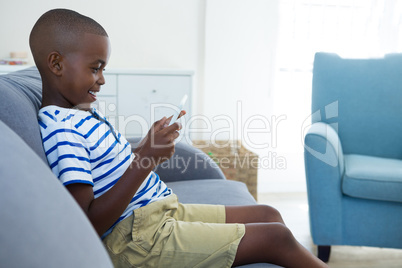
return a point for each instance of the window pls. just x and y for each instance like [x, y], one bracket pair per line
[350, 28]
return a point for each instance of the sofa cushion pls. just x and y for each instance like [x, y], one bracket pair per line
[374, 178]
[41, 224]
[187, 163]
[225, 192]
[21, 98]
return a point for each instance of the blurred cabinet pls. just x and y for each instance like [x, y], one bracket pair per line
[4, 69]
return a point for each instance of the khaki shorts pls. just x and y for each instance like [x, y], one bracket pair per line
[169, 234]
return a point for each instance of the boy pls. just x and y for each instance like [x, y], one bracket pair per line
[138, 217]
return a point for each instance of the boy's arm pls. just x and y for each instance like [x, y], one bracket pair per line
[105, 210]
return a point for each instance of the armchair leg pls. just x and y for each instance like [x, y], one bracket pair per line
[324, 252]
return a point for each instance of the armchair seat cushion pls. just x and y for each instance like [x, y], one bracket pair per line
[373, 178]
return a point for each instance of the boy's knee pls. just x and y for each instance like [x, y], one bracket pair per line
[283, 236]
[271, 214]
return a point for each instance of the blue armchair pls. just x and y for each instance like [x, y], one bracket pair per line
[353, 152]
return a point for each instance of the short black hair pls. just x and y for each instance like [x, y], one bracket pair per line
[68, 20]
[57, 29]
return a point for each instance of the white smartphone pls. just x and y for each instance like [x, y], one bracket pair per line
[177, 113]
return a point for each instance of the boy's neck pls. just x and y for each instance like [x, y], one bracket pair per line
[48, 99]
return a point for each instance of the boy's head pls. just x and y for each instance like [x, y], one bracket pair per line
[70, 51]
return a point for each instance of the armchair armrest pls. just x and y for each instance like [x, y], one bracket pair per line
[324, 167]
[330, 152]
[187, 163]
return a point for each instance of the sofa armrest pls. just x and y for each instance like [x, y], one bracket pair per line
[187, 163]
[324, 167]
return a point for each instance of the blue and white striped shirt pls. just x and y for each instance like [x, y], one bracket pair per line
[83, 147]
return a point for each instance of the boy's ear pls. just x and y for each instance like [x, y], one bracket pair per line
[54, 62]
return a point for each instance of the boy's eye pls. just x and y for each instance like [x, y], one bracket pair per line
[96, 70]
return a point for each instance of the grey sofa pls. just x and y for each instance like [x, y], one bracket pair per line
[41, 225]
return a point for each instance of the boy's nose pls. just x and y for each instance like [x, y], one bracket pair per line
[101, 81]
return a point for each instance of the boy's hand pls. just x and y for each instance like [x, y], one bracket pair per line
[182, 113]
[142, 142]
[158, 145]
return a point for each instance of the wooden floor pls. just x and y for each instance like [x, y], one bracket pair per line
[294, 210]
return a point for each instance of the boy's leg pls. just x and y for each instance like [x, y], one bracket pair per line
[252, 214]
[273, 243]
[267, 239]
[168, 234]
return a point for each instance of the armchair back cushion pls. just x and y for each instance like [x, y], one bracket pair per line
[366, 103]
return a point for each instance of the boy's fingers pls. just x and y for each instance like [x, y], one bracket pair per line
[158, 125]
[168, 121]
[173, 127]
[164, 120]
[170, 118]
[177, 134]
[177, 126]
[183, 112]
[180, 115]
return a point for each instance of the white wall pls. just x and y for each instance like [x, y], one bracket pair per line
[230, 45]
[144, 34]
[240, 43]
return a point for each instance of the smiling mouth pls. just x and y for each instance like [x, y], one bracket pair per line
[93, 93]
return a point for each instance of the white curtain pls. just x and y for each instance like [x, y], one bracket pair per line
[350, 28]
